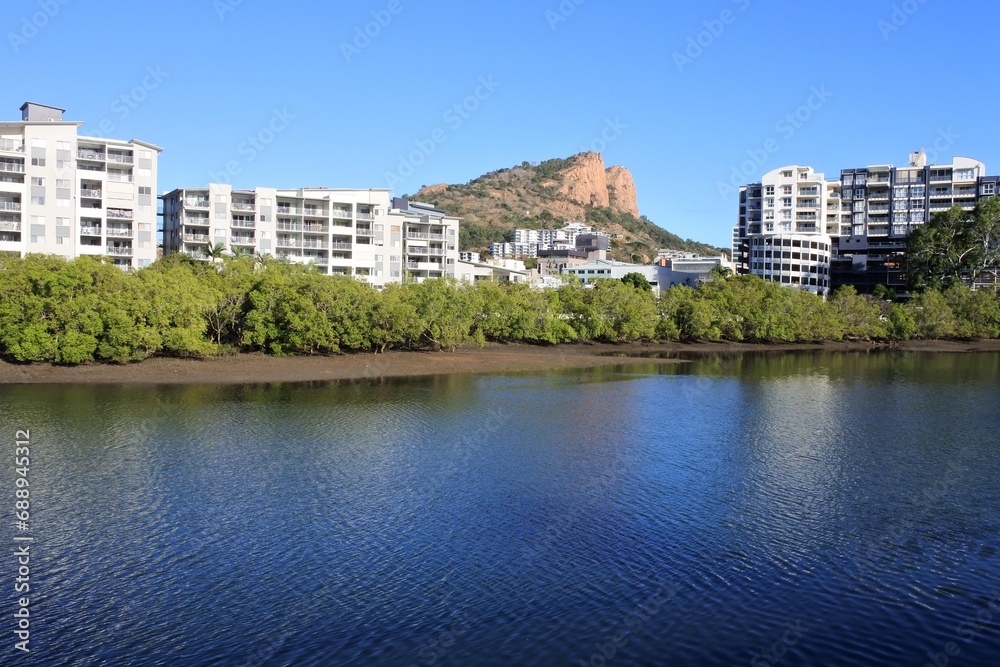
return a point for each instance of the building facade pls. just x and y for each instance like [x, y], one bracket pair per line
[68, 194]
[869, 214]
[784, 229]
[527, 243]
[362, 233]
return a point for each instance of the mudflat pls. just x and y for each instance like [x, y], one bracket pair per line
[493, 358]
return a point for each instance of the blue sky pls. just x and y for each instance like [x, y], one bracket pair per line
[683, 94]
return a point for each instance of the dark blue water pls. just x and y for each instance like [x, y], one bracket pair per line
[793, 510]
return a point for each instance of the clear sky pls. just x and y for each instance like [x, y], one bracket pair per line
[683, 94]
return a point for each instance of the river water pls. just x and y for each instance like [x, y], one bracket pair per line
[805, 509]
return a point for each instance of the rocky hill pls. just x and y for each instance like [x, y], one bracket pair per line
[546, 195]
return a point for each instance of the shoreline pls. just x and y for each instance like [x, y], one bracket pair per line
[259, 368]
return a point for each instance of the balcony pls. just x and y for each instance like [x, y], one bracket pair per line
[289, 242]
[10, 226]
[288, 226]
[365, 216]
[341, 214]
[244, 206]
[364, 231]
[938, 178]
[877, 180]
[196, 203]
[314, 212]
[242, 240]
[244, 224]
[11, 146]
[90, 231]
[336, 245]
[119, 232]
[878, 208]
[196, 238]
[120, 158]
[313, 228]
[10, 206]
[196, 222]
[119, 214]
[88, 193]
[287, 210]
[313, 243]
[85, 154]
[121, 251]
[425, 236]
[941, 192]
[12, 167]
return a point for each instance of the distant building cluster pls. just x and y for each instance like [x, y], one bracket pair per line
[528, 243]
[799, 229]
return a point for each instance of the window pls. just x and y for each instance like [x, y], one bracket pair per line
[786, 215]
[37, 162]
[38, 201]
[62, 183]
[38, 143]
[770, 202]
[989, 189]
[146, 155]
[848, 179]
[786, 202]
[38, 182]
[786, 174]
[786, 190]
[145, 190]
[221, 199]
[848, 194]
[803, 176]
[144, 172]
[769, 190]
[917, 191]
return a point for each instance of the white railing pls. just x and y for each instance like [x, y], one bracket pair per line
[196, 238]
[197, 203]
[315, 229]
[242, 206]
[340, 246]
[120, 233]
[365, 216]
[121, 159]
[365, 231]
[244, 224]
[10, 226]
[12, 167]
[119, 251]
[120, 213]
[10, 206]
[287, 210]
[118, 177]
[314, 213]
[89, 155]
[289, 226]
[340, 214]
[93, 194]
[199, 222]
[11, 145]
[90, 231]
[313, 244]
[242, 240]
[289, 243]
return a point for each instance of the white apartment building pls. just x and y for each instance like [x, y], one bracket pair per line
[68, 194]
[525, 243]
[786, 222]
[362, 233]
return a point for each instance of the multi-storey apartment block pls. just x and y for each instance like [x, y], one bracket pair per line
[870, 213]
[68, 194]
[526, 243]
[784, 229]
[362, 233]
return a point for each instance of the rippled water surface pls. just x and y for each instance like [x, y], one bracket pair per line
[828, 509]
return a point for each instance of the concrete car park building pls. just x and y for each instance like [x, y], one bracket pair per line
[68, 194]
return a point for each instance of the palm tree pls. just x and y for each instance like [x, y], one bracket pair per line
[216, 252]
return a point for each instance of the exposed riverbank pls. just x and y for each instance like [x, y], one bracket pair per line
[493, 358]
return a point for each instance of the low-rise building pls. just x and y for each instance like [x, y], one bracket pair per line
[362, 233]
[598, 269]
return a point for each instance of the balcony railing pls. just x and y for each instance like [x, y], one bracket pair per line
[90, 231]
[315, 229]
[314, 244]
[120, 233]
[340, 213]
[287, 242]
[937, 178]
[284, 226]
[119, 250]
[92, 194]
[85, 154]
[7, 226]
[941, 193]
[340, 246]
[287, 210]
[120, 213]
[242, 240]
[365, 216]
[314, 212]
[197, 203]
[425, 236]
[11, 145]
[244, 224]
[119, 158]
[197, 222]
[197, 238]
[10, 206]
[12, 167]
[243, 206]
[365, 231]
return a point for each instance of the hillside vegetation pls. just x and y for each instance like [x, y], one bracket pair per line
[546, 195]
